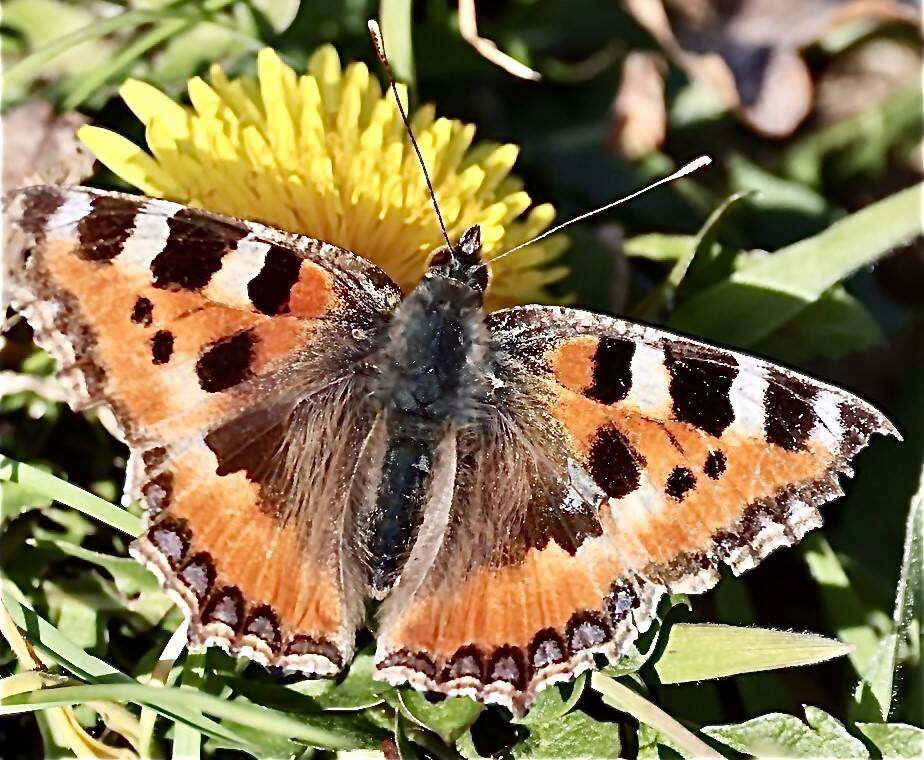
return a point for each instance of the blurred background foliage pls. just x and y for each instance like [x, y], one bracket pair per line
[812, 110]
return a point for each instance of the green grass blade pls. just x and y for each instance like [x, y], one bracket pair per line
[163, 31]
[878, 680]
[843, 608]
[45, 484]
[91, 81]
[187, 741]
[757, 300]
[334, 735]
[54, 646]
[21, 72]
[700, 652]
[395, 21]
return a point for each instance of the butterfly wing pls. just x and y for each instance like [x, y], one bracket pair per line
[621, 462]
[227, 352]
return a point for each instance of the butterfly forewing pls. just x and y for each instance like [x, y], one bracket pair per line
[226, 351]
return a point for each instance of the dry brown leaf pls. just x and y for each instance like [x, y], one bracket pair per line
[748, 51]
[864, 77]
[40, 146]
[639, 113]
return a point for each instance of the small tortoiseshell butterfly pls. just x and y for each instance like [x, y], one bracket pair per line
[518, 488]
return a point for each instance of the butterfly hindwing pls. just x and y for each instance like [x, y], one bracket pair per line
[226, 351]
[623, 462]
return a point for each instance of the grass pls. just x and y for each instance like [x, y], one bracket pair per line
[92, 658]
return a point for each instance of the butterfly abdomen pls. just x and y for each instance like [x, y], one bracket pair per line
[428, 384]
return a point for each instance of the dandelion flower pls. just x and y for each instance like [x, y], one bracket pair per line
[326, 154]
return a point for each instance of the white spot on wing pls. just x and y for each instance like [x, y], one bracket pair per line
[748, 392]
[828, 427]
[582, 484]
[147, 240]
[238, 267]
[64, 220]
[650, 390]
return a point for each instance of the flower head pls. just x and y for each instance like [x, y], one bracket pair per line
[326, 154]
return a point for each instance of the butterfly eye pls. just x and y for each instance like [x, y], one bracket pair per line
[440, 257]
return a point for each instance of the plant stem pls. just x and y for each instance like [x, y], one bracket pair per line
[625, 699]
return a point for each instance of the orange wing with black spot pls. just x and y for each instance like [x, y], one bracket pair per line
[621, 462]
[226, 351]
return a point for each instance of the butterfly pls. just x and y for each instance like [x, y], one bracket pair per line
[516, 490]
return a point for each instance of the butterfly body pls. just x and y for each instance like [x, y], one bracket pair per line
[518, 489]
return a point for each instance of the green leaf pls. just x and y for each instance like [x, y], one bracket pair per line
[835, 325]
[757, 300]
[698, 652]
[575, 735]
[843, 608]
[780, 735]
[395, 22]
[279, 13]
[649, 739]
[129, 576]
[779, 211]
[700, 254]
[631, 661]
[895, 739]
[772, 193]
[16, 499]
[48, 485]
[553, 702]
[358, 690]
[57, 30]
[188, 51]
[465, 746]
[659, 247]
[448, 719]
[76, 613]
[117, 65]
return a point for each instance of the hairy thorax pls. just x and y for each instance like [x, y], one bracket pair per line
[431, 381]
[432, 367]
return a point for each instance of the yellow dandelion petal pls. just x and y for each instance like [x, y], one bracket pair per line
[274, 78]
[324, 66]
[163, 144]
[127, 160]
[146, 102]
[205, 101]
[325, 153]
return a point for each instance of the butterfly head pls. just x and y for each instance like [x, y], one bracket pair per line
[463, 263]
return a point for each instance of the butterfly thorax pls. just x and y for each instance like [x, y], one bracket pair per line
[431, 379]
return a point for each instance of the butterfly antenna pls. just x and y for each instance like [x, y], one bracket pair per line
[689, 168]
[379, 43]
